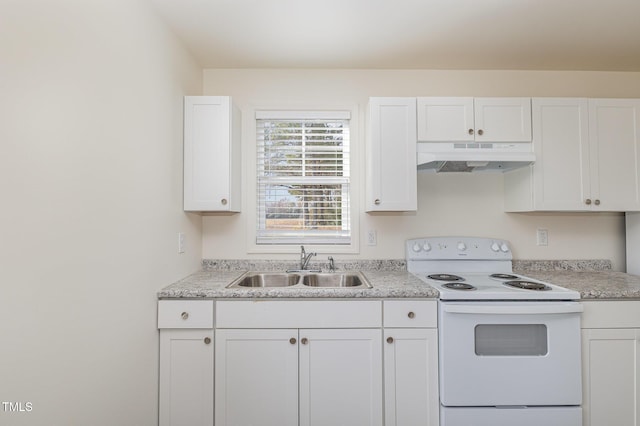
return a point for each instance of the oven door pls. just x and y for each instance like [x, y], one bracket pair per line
[510, 353]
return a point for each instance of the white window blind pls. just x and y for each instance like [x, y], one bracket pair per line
[303, 177]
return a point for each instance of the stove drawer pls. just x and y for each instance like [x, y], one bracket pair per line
[410, 313]
[521, 416]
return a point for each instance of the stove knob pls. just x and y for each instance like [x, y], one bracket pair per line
[462, 246]
[426, 247]
[495, 247]
[416, 247]
[504, 248]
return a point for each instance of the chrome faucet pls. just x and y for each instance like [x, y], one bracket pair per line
[305, 258]
[304, 262]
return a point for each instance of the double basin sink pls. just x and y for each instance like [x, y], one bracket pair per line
[301, 280]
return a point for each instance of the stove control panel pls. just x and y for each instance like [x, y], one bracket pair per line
[449, 248]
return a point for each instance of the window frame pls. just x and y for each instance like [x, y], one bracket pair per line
[251, 179]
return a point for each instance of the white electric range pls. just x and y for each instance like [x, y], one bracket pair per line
[509, 345]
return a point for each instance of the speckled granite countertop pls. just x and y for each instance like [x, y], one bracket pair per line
[386, 284]
[593, 284]
[593, 279]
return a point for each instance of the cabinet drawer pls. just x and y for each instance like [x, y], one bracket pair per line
[411, 313]
[298, 314]
[185, 314]
[611, 314]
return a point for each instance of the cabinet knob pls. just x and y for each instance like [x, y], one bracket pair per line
[597, 202]
[224, 201]
[481, 132]
[184, 315]
[588, 201]
[389, 339]
[377, 201]
[304, 340]
[411, 315]
[471, 131]
[293, 340]
[207, 340]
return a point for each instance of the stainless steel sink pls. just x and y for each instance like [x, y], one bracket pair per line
[265, 279]
[353, 279]
[301, 281]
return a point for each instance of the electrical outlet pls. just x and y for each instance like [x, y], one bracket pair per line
[372, 238]
[180, 242]
[542, 237]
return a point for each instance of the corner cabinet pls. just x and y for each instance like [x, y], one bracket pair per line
[452, 119]
[611, 363]
[587, 157]
[186, 363]
[391, 155]
[212, 163]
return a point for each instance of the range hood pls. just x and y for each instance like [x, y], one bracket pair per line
[440, 157]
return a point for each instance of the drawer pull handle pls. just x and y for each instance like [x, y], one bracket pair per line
[224, 201]
[411, 315]
[471, 131]
[207, 340]
[389, 339]
[377, 202]
[597, 202]
[293, 340]
[481, 132]
[588, 201]
[184, 315]
[304, 340]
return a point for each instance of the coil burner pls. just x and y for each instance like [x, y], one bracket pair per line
[527, 285]
[504, 276]
[445, 277]
[459, 286]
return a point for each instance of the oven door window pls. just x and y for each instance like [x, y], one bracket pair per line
[511, 340]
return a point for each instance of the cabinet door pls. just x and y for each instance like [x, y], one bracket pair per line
[411, 377]
[561, 145]
[391, 155]
[445, 119]
[614, 133]
[211, 154]
[256, 377]
[502, 119]
[341, 377]
[611, 377]
[186, 377]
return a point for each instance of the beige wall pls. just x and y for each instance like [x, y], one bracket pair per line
[448, 204]
[91, 195]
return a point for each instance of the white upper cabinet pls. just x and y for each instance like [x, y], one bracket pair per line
[614, 142]
[391, 155]
[586, 157]
[447, 119]
[212, 164]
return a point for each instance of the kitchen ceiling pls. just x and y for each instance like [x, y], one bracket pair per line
[409, 34]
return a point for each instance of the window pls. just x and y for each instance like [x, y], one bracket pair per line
[303, 177]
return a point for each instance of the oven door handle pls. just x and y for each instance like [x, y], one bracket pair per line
[541, 309]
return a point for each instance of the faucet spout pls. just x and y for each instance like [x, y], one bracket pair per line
[305, 258]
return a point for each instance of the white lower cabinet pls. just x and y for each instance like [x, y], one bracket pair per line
[411, 363]
[314, 373]
[341, 377]
[333, 376]
[186, 363]
[611, 363]
[256, 377]
[290, 363]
